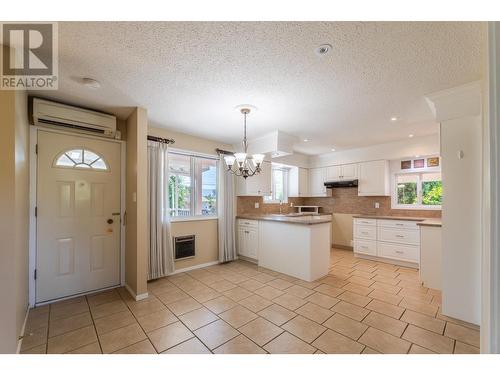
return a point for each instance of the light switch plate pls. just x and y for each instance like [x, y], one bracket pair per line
[256, 204]
[377, 205]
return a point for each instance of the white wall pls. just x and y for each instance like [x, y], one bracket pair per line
[428, 145]
[462, 218]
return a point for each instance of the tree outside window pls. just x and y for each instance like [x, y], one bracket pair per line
[419, 190]
[192, 187]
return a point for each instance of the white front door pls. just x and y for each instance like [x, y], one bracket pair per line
[78, 215]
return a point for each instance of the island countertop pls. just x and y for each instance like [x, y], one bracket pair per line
[423, 221]
[309, 219]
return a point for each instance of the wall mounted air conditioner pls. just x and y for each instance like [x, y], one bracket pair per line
[53, 114]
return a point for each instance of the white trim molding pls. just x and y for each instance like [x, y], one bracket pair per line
[490, 283]
[456, 102]
[137, 297]
[195, 267]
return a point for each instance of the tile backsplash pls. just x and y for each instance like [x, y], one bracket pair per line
[342, 201]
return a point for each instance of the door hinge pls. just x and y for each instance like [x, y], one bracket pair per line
[34, 274]
[36, 149]
[36, 211]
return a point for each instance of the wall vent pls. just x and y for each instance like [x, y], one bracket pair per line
[184, 247]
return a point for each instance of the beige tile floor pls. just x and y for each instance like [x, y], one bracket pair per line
[360, 307]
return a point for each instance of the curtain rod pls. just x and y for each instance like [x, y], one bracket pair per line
[161, 140]
[224, 152]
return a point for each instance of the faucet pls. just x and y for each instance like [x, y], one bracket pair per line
[281, 205]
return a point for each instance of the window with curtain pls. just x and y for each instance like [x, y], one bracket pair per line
[192, 185]
[418, 190]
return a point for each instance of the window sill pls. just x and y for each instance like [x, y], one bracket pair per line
[419, 207]
[178, 219]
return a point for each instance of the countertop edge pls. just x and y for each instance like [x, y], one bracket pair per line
[285, 220]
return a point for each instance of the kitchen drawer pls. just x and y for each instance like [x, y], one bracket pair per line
[248, 223]
[365, 232]
[405, 224]
[365, 247]
[404, 236]
[406, 253]
[362, 221]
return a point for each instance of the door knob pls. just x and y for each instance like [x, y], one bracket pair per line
[110, 221]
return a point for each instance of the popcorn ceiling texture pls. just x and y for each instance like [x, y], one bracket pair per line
[342, 201]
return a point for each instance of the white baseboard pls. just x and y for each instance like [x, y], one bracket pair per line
[23, 329]
[195, 267]
[137, 297]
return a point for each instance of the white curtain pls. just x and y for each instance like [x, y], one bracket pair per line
[160, 256]
[227, 214]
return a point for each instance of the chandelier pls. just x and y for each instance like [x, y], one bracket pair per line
[246, 165]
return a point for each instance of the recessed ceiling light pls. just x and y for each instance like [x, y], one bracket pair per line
[90, 83]
[323, 49]
[394, 118]
[306, 139]
[410, 135]
[333, 149]
[417, 156]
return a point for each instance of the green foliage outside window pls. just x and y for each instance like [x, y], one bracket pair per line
[432, 192]
[183, 192]
[407, 193]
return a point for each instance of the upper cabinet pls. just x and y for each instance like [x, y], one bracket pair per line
[298, 182]
[258, 185]
[374, 178]
[342, 172]
[317, 178]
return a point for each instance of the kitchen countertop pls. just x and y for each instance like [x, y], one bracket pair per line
[423, 221]
[309, 219]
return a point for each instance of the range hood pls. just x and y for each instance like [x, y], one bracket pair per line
[341, 184]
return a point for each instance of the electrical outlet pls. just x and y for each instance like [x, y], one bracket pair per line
[377, 205]
[256, 204]
[291, 204]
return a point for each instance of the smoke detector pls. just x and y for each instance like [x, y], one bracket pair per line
[323, 49]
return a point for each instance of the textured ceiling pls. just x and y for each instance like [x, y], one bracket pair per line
[191, 75]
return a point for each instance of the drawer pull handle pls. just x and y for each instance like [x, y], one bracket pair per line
[364, 247]
[399, 224]
[365, 233]
[247, 232]
[399, 252]
[399, 236]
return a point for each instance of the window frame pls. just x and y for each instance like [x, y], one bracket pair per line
[75, 165]
[194, 186]
[286, 173]
[419, 205]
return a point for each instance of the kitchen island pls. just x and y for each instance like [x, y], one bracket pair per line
[296, 245]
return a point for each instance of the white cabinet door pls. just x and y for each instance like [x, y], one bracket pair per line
[252, 244]
[298, 182]
[258, 185]
[242, 242]
[334, 173]
[349, 171]
[374, 178]
[317, 182]
[303, 182]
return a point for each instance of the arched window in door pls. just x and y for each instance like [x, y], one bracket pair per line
[81, 158]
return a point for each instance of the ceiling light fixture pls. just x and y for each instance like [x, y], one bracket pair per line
[323, 49]
[394, 118]
[333, 149]
[410, 135]
[246, 165]
[91, 83]
[306, 139]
